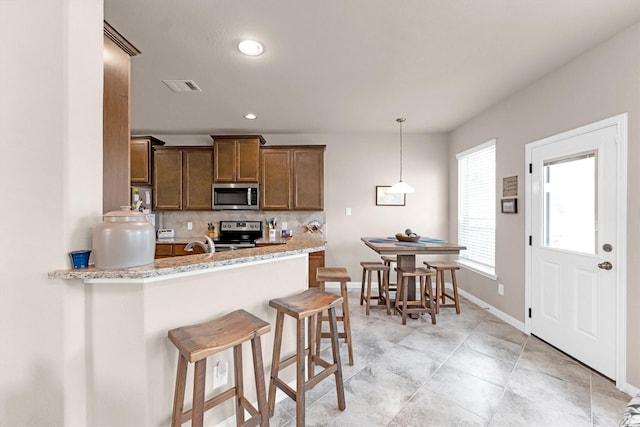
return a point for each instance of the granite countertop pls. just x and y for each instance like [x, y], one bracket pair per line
[299, 244]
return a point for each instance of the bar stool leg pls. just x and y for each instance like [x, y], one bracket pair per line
[368, 292]
[442, 288]
[439, 280]
[197, 409]
[430, 299]
[455, 291]
[333, 327]
[314, 326]
[178, 399]
[258, 372]
[346, 320]
[300, 392]
[364, 274]
[385, 287]
[239, 383]
[405, 299]
[275, 362]
[398, 296]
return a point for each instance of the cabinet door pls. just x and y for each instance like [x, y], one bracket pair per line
[167, 190]
[248, 160]
[140, 149]
[225, 160]
[163, 250]
[275, 171]
[197, 178]
[308, 179]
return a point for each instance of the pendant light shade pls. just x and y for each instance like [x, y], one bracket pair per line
[401, 187]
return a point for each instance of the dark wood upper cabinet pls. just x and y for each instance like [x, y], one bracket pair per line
[236, 158]
[116, 128]
[308, 179]
[182, 178]
[141, 151]
[197, 178]
[292, 177]
[167, 191]
[275, 178]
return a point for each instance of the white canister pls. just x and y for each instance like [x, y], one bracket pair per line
[124, 239]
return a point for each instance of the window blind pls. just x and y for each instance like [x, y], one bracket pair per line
[477, 206]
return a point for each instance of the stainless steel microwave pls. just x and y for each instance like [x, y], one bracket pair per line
[239, 196]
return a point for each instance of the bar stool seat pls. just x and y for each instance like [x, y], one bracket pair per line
[337, 274]
[422, 306]
[196, 342]
[383, 287]
[441, 296]
[308, 304]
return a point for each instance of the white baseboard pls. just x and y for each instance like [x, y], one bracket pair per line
[491, 309]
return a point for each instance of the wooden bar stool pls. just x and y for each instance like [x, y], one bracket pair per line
[337, 274]
[405, 307]
[196, 342]
[441, 296]
[383, 286]
[308, 304]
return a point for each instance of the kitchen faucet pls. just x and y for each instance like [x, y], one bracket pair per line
[208, 247]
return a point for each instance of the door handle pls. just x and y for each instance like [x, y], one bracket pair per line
[605, 265]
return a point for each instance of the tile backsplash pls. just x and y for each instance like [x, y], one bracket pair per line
[296, 220]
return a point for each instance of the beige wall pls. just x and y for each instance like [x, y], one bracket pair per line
[50, 186]
[603, 82]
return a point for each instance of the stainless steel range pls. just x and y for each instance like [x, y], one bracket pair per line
[238, 235]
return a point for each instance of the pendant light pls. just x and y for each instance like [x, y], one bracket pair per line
[401, 187]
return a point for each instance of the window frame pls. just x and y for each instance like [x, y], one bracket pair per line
[466, 258]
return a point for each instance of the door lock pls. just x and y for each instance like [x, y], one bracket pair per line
[605, 265]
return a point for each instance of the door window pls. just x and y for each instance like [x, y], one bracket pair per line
[570, 203]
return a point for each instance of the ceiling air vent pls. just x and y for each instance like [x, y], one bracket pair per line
[180, 86]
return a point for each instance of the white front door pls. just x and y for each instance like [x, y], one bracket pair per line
[574, 252]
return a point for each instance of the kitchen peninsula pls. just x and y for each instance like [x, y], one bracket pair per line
[130, 369]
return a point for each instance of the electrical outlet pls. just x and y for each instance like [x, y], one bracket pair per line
[347, 211]
[220, 374]
[189, 225]
[500, 289]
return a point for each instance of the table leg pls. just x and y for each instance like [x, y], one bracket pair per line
[408, 262]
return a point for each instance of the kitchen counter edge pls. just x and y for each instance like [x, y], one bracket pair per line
[297, 245]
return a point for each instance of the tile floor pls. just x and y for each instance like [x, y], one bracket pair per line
[470, 369]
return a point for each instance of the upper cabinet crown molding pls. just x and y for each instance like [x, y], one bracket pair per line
[119, 40]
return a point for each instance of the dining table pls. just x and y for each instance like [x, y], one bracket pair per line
[406, 252]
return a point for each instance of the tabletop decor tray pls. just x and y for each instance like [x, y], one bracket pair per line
[405, 238]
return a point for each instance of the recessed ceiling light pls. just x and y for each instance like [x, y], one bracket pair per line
[250, 47]
[250, 116]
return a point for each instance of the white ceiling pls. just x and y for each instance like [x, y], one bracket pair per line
[347, 65]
